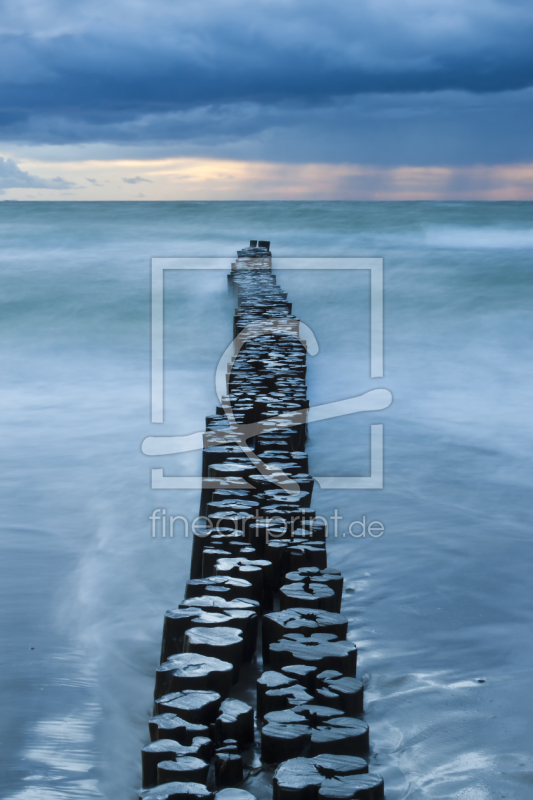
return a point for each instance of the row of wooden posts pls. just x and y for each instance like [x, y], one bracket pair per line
[257, 671]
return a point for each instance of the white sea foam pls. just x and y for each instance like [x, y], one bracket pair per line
[478, 238]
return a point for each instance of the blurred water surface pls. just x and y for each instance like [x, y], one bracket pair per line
[440, 605]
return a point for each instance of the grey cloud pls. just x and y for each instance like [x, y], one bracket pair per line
[387, 129]
[12, 177]
[167, 55]
[137, 179]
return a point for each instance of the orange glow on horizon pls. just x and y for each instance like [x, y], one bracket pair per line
[188, 178]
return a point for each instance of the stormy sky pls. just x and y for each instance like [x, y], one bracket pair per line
[375, 90]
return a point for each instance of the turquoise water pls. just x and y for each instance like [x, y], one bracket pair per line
[440, 602]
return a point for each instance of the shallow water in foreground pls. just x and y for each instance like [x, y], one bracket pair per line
[440, 605]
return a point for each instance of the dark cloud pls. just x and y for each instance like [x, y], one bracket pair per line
[12, 177]
[422, 129]
[211, 72]
[137, 179]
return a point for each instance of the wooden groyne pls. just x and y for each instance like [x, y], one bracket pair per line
[256, 694]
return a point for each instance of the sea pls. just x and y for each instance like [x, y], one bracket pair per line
[440, 602]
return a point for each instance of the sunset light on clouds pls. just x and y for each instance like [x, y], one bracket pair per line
[218, 179]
